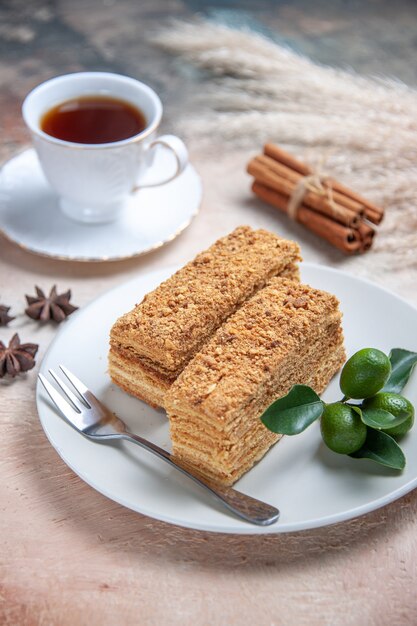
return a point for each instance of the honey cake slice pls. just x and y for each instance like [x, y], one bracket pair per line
[151, 345]
[286, 334]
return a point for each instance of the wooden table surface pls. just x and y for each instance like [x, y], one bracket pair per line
[69, 556]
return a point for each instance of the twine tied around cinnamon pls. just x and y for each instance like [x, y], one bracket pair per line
[315, 183]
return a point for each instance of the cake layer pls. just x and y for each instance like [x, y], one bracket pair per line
[172, 323]
[286, 334]
[137, 380]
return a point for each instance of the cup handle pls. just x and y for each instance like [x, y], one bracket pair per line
[175, 145]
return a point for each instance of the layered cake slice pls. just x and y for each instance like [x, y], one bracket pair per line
[286, 334]
[151, 345]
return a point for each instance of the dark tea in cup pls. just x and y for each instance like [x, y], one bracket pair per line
[93, 120]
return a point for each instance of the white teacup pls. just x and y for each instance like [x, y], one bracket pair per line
[94, 181]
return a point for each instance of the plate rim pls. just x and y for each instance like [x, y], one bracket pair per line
[103, 259]
[246, 529]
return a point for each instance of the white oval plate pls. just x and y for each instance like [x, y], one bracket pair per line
[309, 484]
[30, 215]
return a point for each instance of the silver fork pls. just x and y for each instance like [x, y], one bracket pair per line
[92, 419]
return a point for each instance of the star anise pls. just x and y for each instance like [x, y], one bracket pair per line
[55, 307]
[5, 318]
[17, 357]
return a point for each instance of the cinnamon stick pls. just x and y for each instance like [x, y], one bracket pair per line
[372, 212]
[367, 235]
[280, 155]
[342, 237]
[366, 245]
[365, 230]
[321, 204]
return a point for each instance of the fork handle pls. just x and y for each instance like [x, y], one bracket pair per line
[250, 509]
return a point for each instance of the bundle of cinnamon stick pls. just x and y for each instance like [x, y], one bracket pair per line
[322, 204]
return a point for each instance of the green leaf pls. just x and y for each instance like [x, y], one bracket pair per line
[292, 413]
[379, 418]
[356, 408]
[381, 448]
[402, 364]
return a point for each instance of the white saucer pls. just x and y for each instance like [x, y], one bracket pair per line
[30, 216]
